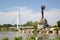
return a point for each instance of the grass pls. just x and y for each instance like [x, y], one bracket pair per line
[57, 38]
[31, 38]
[6, 38]
[18, 38]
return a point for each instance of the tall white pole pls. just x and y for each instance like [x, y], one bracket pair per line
[17, 25]
[17, 20]
[20, 20]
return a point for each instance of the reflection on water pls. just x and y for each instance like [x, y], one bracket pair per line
[11, 35]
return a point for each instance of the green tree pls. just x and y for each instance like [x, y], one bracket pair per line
[58, 23]
[29, 23]
[55, 26]
[34, 24]
[4, 26]
[8, 25]
[0, 27]
[14, 25]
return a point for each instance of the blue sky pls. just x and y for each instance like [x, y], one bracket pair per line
[34, 5]
[30, 10]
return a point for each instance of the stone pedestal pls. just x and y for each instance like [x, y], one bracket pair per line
[42, 23]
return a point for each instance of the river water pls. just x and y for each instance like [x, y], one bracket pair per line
[11, 35]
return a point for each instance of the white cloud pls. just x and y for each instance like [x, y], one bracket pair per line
[7, 17]
[52, 16]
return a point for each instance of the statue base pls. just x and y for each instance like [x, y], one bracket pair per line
[42, 23]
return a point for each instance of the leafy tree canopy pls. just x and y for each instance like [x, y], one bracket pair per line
[58, 23]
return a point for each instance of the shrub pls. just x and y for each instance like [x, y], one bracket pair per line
[15, 38]
[31, 38]
[18, 38]
[5, 38]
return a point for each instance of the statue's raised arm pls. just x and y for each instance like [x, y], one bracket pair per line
[42, 12]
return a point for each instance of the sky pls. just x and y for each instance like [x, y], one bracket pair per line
[29, 10]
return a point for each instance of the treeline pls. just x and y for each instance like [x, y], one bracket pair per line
[28, 23]
[7, 27]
